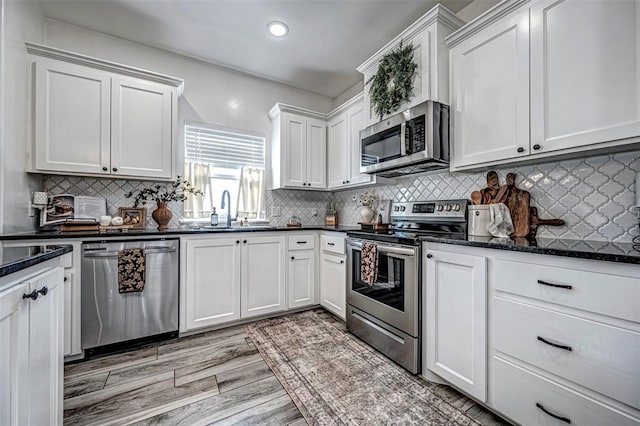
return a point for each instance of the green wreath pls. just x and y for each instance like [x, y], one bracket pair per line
[392, 84]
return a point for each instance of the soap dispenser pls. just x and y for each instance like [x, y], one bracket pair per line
[214, 218]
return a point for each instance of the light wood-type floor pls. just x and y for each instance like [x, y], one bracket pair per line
[211, 378]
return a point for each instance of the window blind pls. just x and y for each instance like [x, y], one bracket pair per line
[221, 148]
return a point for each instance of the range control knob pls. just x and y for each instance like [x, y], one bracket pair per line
[448, 208]
[402, 208]
[456, 207]
[396, 208]
[440, 207]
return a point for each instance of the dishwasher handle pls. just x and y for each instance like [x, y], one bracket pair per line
[152, 250]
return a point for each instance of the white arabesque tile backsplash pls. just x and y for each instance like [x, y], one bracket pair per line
[594, 195]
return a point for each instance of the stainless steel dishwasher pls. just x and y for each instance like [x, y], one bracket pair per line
[110, 317]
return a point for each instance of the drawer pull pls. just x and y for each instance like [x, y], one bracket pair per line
[301, 242]
[331, 244]
[565, 347]
[562, 419]
[568, 287]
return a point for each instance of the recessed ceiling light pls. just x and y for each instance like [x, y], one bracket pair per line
[278, 29]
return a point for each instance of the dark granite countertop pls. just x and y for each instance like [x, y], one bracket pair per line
[583, 249]
[14, 259]
[43, 235]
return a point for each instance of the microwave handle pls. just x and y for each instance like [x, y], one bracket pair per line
[403, 146]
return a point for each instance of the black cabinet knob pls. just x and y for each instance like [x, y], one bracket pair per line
[43, 291]
[66, 279]
[104, 169]
[244, 241]
[342, 261]
[115, 169]
[237, 241]
[520, 149]
[429, 256]
[537, 147]
[293, 258]
[33, 295]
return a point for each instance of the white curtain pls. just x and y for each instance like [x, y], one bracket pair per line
[199, 175]
[251, 194]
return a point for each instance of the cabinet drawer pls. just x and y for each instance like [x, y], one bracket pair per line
[597, 356]
[612, 295]
[332, 244]
[301, 242]
[517, 391]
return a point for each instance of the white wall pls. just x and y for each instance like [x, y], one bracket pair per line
[212, 94]
[23, 20]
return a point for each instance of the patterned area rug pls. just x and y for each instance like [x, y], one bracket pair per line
[335, 379]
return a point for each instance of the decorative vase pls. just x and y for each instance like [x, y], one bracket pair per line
[162, 215]
[366, 214]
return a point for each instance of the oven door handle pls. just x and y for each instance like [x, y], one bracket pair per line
[386, 249]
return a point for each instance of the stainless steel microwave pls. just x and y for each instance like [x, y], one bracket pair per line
[413, 141]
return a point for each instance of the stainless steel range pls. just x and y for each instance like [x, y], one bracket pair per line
[387, 314]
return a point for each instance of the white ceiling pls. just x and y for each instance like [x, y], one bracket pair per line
[327, 39]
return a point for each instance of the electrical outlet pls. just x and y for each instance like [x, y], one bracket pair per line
[314, 213]
[276, 211]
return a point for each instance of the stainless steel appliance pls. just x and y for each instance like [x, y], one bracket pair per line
[413, 141]
[110, 317]
[387, 314]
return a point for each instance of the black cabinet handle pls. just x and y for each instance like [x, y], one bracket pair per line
[344, 181]
[304, 183]
[115, 169]
[237, 241]
[537, 147]
[293, 258]
[33, 295]
[342, 261]
[43, 291]
[556, 345]
[244, 241]
[331, 244]
[520, 149]
[555, 416]
[301, 242]
[348, 181]
[104, 169]
[568, 287]
[66, 279]
[429, 255]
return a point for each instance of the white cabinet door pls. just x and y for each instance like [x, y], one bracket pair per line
[141, 128]
[72, 118]
[490, 93]
[46, 334]
[337, 160]
[333, 284]
[14, 356]
[456, 319]
[263, 275]
[302, 279]
[294, 144]
[585, 72]
[212, 282]
[316, 153]
[355, 123]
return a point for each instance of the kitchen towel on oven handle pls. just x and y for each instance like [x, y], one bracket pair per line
[369, 263]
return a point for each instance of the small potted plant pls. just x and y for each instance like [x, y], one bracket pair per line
[162, 194]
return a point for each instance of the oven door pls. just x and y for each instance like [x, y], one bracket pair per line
[394, 296]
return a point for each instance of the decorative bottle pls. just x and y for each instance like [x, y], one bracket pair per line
[214, 218]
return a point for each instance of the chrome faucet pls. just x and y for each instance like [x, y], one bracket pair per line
[226, 192]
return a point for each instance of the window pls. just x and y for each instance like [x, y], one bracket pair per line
[219, 159]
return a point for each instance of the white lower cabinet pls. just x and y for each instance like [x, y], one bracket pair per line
[31, 349]
[302, 279]
[333, 283]
[226, 278]
[456, 319]
[263, 275]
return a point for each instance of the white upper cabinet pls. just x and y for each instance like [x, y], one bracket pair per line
[98, 118]
[343, 145]
[298, 148]
[490, 93]
[545, 78]
[585, 72]
[430, 53]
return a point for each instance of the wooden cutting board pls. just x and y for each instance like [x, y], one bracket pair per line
[518, 201]
[536, 221]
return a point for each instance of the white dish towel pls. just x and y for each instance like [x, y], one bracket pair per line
[500, 224]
